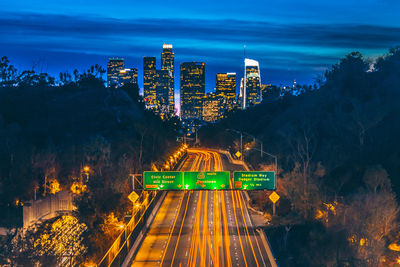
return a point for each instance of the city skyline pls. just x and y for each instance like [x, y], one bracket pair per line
[290, 39]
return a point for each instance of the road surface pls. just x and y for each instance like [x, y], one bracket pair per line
[202, 228]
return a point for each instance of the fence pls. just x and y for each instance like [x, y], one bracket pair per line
[47, 208]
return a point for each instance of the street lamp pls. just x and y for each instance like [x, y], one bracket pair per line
[86, 170]
[263, 152]
[241, 140]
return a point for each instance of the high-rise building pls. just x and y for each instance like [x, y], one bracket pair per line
[114, 66]
[192, 90]
[251, 94]
[168, 64]
[212, 107]
[226, 89]
[162, 89]
[128, 76]
[149, 82]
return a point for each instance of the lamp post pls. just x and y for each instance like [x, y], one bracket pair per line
[263, 152]
[276, 168]
[86, 170]
[241, 141]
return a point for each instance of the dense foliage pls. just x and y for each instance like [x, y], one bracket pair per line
[337, 146]
[50, 130]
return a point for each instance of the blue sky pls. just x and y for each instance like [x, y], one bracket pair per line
[291, 39]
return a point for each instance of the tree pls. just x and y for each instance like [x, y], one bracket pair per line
[372, 216]
[46, 163]
[97, 153]
[132, 89]
[8, 73]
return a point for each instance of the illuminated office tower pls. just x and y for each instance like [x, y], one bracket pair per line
[162, 89]
[212, 107]
[251, 94]
[114, 66]
[149, 82]
[226, 89]
[168, 63]
[192, 90]
[128, 76]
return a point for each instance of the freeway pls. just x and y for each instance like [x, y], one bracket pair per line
[202, 228]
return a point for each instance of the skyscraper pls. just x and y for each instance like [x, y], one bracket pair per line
[168, 64]
[212, 107]
[162, 90]
[128, 76]
[192, 90]
[149, 81]
[226, 89]
[114, 66]
[252, 84]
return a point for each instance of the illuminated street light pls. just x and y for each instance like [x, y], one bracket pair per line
[86, 170]
[90, 264]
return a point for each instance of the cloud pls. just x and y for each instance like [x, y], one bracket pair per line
[214, 31]
[219, 42]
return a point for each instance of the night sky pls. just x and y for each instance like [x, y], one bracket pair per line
[292, 39]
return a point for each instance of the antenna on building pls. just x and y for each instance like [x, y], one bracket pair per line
[244, 79]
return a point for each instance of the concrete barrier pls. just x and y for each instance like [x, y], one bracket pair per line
[234, 161]
[267, 246]
[136, 245]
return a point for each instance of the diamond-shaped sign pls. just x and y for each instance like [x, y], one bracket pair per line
[133, 196]
[238, 154]
[274, 197]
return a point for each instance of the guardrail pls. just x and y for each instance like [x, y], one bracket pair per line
[118, 251]
[267, 246]
[121, 246]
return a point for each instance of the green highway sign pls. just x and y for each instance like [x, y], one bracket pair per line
[254, 180]
[162, 180]
[206, 180]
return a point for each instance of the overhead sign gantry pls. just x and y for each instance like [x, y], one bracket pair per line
[218, 180]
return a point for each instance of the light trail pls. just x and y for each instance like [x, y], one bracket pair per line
[245, 224]
[173, 227]
[180, 230]
[237, 227]
[228, 260]
[210, 241]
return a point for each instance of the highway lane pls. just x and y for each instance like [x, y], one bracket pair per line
[202, 228]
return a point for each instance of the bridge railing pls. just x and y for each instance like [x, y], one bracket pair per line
[123, 243]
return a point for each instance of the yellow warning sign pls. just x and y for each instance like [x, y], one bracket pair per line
[238, 154]
[274, 197]
[133, 196]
